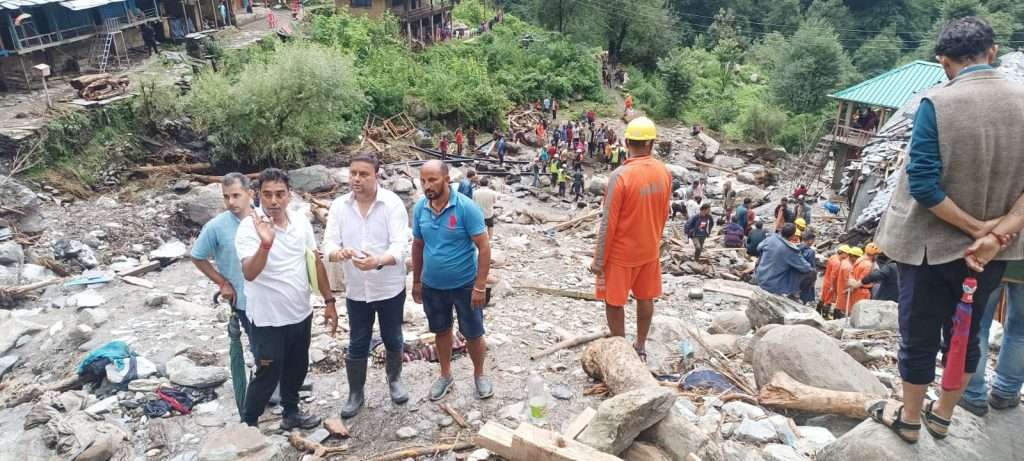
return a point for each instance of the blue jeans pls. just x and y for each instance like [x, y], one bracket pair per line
[1010, 366]
[360, 321]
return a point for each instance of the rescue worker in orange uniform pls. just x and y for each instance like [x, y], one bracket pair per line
[828, 283]
[843, 294]
[862, 268]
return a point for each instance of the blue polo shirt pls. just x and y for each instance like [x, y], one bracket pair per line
[218, 239]
[449, 254]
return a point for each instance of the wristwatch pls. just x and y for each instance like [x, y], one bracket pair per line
[380, 266]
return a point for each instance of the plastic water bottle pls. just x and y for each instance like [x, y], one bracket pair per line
[537, 397]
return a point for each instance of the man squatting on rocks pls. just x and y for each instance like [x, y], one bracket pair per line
[274, 246]
[636, 207]
[451, 256]
[367, 232]
[956, 211]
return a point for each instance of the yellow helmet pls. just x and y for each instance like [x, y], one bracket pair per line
[871, 249]
[641, 129]
[855, 251]
[844, 248]
[800, 223]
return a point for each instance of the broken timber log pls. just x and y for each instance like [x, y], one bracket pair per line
[557, 292]
[784, 392]
[614, 362]
[169, 169]
[570, 342]
[416, 452]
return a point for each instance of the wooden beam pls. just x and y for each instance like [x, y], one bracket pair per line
[141, 269]
[531, 443]
[569, 342]
[729, 288]
[784, 392]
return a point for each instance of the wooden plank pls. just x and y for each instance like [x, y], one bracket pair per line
[579, 423]
[568, 343]
[141, 269]
[139, 282]
[531, 443]
[495, 437]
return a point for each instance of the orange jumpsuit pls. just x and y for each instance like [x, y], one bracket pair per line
[842, 281]
[828, 283]
[861, 269]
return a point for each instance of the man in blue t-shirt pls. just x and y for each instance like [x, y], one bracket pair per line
[217, 239]
[451, 256]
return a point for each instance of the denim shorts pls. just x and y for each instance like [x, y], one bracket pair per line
[438, 304]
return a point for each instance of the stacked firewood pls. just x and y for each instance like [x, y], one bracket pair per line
[97, 87]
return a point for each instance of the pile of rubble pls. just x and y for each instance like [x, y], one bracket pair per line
[97, 87]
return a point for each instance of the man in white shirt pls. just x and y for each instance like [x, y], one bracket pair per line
[274, 247]
[485, 197]
[368, 232]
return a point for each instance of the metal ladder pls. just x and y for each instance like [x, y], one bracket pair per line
[111, 42]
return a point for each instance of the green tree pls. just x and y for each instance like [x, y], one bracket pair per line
[812, 66]
[304, 98]
[782, 15]
[472, 12]
[878, 54]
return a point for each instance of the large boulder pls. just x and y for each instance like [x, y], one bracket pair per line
[184, 372]
[239, 442]
[201, 204]
[14, 328]
[11, 253]
[812, 358]
[677, 171]
[620, 419]
[315, 178]
[597, 185]
[732, 323]
[994, 437]
[24, 203]
[871, 314]
[679, 437]
[766, 308]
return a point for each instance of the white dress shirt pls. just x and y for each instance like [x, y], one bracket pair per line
[279, 296]
[384, 231]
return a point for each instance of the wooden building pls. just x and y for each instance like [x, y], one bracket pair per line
[419, 20]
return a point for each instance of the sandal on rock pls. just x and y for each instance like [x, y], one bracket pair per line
[937, 426]
[641, 352]
[890, 415]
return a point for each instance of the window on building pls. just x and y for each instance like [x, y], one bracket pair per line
[361, 3]
[395, 3]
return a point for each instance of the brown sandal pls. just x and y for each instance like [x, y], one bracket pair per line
[937, 426]
[889, 415]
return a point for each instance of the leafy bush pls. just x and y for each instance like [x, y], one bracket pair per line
[761, 122]
[800, 132]
[304, 97]
[472, 12]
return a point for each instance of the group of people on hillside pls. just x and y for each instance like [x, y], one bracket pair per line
[267, 262]
[568, 146]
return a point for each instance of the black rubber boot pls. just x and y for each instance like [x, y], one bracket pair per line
[300, 420]
[394, 374]
[356, 371]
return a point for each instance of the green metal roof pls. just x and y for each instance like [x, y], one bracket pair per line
[896, 86]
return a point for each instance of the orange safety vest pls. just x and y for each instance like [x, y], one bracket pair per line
[861, 269]
[843, 298]
[828, 283]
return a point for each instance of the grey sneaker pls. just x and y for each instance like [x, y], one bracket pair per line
[440, 388]
[1002, 403]
[484, 388]
[976, 408]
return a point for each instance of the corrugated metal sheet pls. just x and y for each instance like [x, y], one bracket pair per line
[19, 4]
[78, 5]
[892, 89]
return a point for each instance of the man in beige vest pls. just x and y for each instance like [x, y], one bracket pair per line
[959, 195]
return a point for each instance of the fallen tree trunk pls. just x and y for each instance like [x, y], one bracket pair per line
[570, 342]
[614, 362]
[416, 452]
[784, 392]
[574, 222]
[168, 169]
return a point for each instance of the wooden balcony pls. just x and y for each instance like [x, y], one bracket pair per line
[850, 136]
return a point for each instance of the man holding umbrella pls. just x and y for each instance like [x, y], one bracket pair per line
[217, 239]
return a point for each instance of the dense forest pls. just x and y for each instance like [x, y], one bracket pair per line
[759, 70]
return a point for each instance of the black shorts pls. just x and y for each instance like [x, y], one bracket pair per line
[489, 222]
